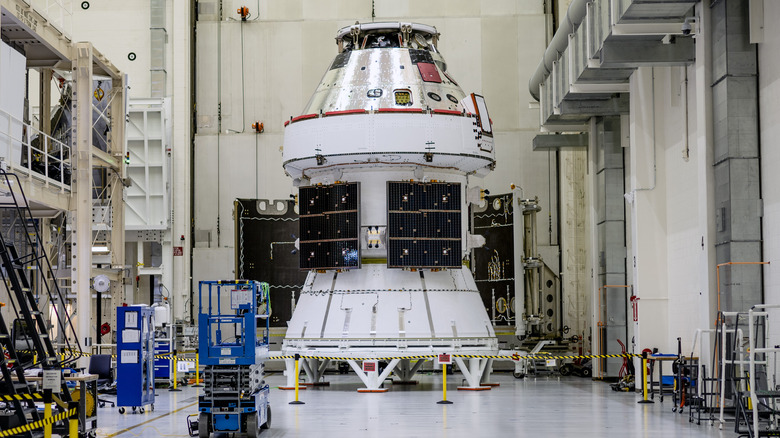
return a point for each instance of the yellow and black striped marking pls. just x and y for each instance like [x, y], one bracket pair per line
[38, 424]
[468, 356]
[168, 356]
[12, 397]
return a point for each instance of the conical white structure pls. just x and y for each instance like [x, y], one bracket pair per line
[387, 110]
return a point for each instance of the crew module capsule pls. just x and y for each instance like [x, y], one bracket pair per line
[384, 155]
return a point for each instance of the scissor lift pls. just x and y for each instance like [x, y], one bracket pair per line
[233, 345]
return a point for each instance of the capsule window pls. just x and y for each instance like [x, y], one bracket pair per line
[403, 97]
[374, 92]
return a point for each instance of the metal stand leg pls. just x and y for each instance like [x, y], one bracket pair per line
[289, 371]
[472, 373]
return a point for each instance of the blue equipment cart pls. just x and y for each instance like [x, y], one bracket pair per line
[135, 357]
[233, 346]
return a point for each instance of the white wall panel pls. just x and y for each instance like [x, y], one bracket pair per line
[426, 9]
[670, 275]
[343, 9]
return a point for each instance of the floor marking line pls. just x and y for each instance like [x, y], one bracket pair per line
[149, 421]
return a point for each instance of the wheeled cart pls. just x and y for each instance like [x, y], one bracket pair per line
[135, 358]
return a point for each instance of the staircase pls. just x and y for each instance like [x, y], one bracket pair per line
[28, 279]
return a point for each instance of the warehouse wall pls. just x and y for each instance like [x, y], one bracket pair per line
[491, 48]
[116, 29]
[666, 225]
[117, 37]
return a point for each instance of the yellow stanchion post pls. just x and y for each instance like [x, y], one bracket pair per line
[197, 370]
[644, 379]
[175, 366]
[73, 419]
[47, 398]
[296, 401]
[444, 401]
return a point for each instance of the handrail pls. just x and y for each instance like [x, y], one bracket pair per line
[58, 13]
[39, 260]
[61, 160]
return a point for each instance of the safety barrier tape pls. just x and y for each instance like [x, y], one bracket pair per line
[516, 356]
[38, 424]
[78, 354]
[467, 356]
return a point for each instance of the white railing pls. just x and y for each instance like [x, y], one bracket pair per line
[59, 13]
[48, 161]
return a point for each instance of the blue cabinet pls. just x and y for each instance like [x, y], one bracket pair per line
[135, 357]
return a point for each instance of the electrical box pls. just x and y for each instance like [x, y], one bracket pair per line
[135, 356]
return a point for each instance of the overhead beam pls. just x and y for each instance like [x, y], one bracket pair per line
[598, 88]
[112, 274]
[21, 13]
[619, 104]
[102, 66]
[649, 28]
[557, 141]
[563, 126]
[627, 54]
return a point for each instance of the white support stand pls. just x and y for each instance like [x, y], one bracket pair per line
[406, 371]
[372, 379]
[315, 370]
[486, 375]
[289, 372]
[472, 373]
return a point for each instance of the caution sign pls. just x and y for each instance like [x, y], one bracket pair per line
[445, 359]
[369, 366]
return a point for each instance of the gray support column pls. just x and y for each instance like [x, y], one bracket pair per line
[82, 162]
[736, 156]
[611, 242]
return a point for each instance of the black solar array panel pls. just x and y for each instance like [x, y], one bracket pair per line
[329, 226]
[424, 225]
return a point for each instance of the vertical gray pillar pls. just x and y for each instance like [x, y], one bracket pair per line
[736, 155]
[611, 236]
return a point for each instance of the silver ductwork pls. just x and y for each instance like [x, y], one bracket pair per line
[586, 68]
[574, 16]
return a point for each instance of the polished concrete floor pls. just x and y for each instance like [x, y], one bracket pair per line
[531, 407]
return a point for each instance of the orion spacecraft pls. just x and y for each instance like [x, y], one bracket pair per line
[384, 155]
